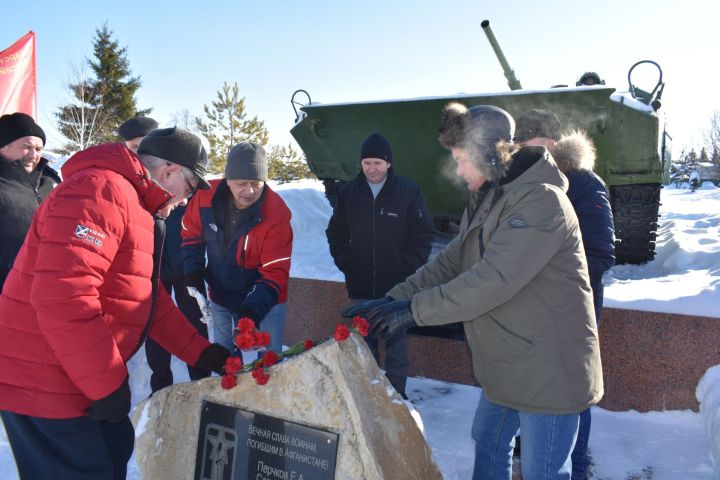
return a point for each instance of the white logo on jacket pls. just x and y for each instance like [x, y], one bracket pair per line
[89, 235]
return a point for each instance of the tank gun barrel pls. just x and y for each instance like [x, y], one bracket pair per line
[513, 82]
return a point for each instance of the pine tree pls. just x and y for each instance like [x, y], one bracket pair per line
[114, 87]
[285, 165]
[99, 103]
[227, 125]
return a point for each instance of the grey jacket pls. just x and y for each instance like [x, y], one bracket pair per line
[516, 275]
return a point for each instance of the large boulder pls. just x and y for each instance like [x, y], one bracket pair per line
[335, 387]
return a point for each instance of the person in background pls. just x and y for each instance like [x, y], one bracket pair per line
[380, 232]
[132, 131]
[25, 180]
[516, 276]
[82, 297]
[243, 229]
[574, 154]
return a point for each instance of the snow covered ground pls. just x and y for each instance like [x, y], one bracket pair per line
[684, 278]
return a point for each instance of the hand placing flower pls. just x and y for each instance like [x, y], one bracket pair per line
[247, 337]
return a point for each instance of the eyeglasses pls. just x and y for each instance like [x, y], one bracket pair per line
[189, 186]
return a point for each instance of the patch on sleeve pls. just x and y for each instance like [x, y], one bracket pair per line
[89, 235]
[518, 221]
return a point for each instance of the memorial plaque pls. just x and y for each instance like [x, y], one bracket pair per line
[235, 444]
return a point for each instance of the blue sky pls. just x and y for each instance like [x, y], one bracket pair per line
[350, 51]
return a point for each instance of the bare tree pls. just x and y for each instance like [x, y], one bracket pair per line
[185, 119]
[712, 138]
[81, 120]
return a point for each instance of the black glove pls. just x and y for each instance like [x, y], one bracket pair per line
[364, 307]
[113, 408]
[249, 313]
[390, 319]
[213, 358]
[196, 280]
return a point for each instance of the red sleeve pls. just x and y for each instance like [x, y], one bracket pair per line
[174, 332]
[69, 272]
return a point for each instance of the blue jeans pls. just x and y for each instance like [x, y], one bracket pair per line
[224, 321]
[547, 441]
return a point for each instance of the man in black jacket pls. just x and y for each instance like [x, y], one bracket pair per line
[380, 232]
[25, 180]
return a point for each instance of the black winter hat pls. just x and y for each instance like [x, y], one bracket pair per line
[247, 161]
[376, 146]
[537, 123]
[180, 146]
[136, 127]
[18, 125]
[490, 124]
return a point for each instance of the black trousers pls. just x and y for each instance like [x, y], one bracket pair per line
[72, 448]
[157, 357]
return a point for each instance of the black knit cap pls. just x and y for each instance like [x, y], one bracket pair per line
[376, 146]
[177, 145]
[537, 123]
[18, 125]
[136, 127]
[247, 161]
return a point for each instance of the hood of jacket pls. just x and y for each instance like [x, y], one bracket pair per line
[574, 151]
[119, 159]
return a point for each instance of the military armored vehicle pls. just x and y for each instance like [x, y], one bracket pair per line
[632, 147]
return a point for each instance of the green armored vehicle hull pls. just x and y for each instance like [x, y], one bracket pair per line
[626, 132]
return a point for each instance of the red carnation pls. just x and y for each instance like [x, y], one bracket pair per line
[245, 341]
[361, 325]
[246, 325]
[228, 382]
[233, 365]
[261, 378]
[262, 339]
[270, 358]
[342, 332]
[308, 344]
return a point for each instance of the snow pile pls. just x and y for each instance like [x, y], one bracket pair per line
[708, 394]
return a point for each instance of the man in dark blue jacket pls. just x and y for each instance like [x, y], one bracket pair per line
[574, 154]
[380, 232]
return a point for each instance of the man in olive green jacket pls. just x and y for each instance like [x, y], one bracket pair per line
[516, 275]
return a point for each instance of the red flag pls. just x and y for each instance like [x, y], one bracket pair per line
[18, 91]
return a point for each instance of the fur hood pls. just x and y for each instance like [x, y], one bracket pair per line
[574, 151]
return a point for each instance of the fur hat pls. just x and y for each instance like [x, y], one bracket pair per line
[574, 151]
[376, 146]
[18, 125]
[180, 146]
[479, 130]
[247, 161]
[136, 127]
[537, 123]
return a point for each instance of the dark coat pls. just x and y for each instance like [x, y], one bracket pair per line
[20, 195]
[378, 242]
[589, 196]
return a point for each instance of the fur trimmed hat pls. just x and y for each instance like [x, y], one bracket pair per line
[479, 130]
[180, 146]
[18, 125]
[376, 146]
[136, 127]
[247, 161]
[537, 123]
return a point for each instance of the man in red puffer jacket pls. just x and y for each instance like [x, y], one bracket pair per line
[81, 299]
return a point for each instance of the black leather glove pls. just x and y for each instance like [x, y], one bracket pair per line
[196, 280]
[112, 408]
[364, 307]
[213, 358]
[249, 313]
[390, 319]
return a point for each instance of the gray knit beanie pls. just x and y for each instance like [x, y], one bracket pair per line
[247, 161]
[177, 145]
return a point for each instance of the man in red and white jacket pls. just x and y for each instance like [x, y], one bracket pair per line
[244, 228]
[81, 299]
